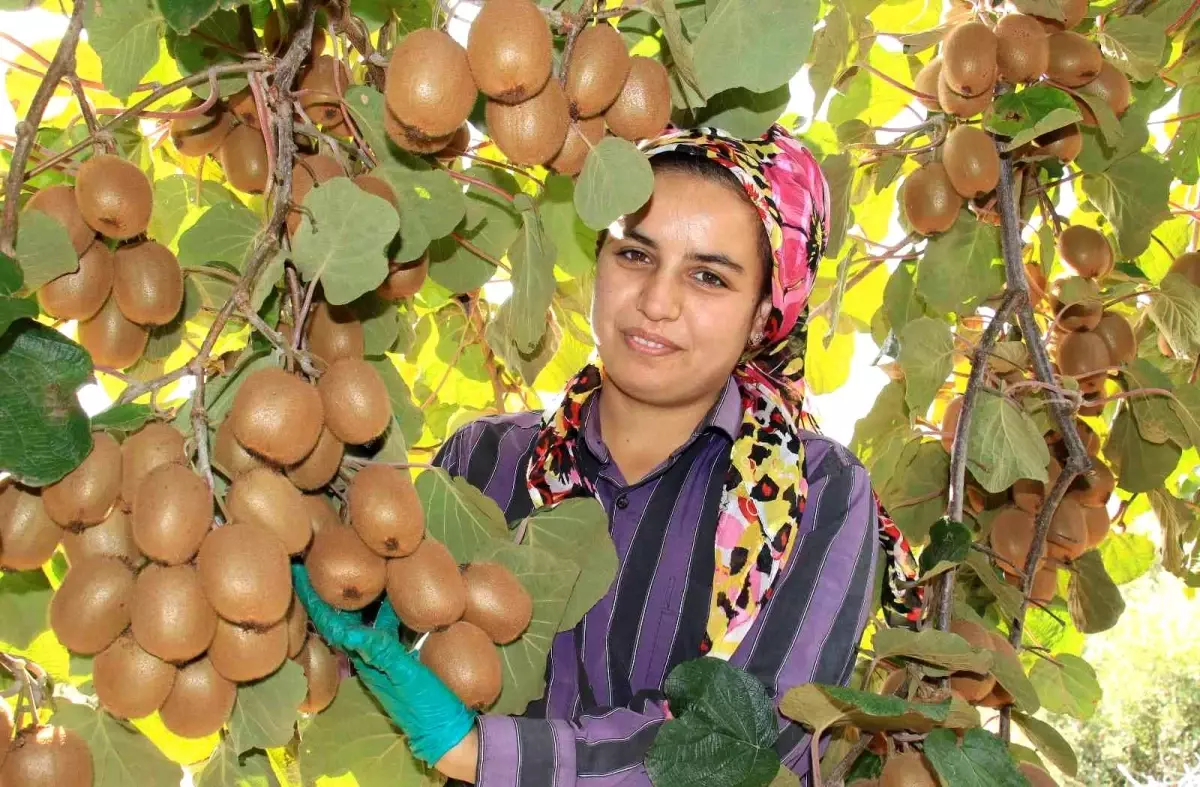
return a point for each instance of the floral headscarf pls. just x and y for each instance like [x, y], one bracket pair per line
[766, 490]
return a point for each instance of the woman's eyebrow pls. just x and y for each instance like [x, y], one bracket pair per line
[713, 258]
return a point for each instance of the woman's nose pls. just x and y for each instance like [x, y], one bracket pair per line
[661, 296]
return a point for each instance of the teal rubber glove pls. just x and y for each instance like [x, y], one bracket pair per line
[424, 708]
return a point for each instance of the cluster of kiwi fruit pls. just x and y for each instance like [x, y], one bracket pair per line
[125, 284]
[534, 118]
[44, 755]
[978, 53]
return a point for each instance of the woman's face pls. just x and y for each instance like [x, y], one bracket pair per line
[677, 292]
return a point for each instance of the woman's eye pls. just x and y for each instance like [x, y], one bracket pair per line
[633, 255]
[710, 279]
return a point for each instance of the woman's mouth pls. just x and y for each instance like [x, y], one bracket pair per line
[649, 343]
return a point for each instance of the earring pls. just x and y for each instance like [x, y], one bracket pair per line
[756, 338]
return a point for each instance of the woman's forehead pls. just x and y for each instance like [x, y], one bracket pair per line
[689, 207]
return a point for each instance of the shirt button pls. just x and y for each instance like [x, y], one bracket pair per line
[622, 502]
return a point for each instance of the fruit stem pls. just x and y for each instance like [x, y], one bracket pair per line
[301, 359]
[894, 83]
[1183, 18]
[478, 252]
[1175, 119]
[483, 184]
[260, 107]
[29, 687]
[504, 165]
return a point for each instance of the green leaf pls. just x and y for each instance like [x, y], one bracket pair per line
[226, 768]
[1029, 113]
[1007, 596]
[755, 44]
[43, 431]
[532, 257]
[577, 530]
[408, 415]
[724, 729]
[927, 357]
[1093, 599]
[1006, 666]
[120, 755]
[981, 761]
[267, 709]
[24, 606]
[268, 277]
[431, 206]
[342, 242]
[742, 112]
[1178, 523]
[380, 320]
[958, 267]
[839, 172]
[1175, 309]
[215, 41]
[900, 298]
[575, 241]
[1184, 153]
[491, 225]
[669, 20]
[13, 309]
[367, 106]
[1049, 742]
[949, 545]
[1111, 129]
[224, 233]
[125, 34]
[863, 709]
[1132, 194]
[1067, 685]
[1156, 417]
[183, 15]
[44, 249]
[1006, 444]
[1140, 466]
[616, 180]
[1126, 556]
[1133, 44]
[939, 648]
[123, 417]
[915, 490]
[171, 203]
[11, 277]
[459, 515]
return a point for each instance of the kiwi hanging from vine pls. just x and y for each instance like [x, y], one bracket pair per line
[582, 136]
[324, 83]
[111, 339]
[1085, 251]
[245, 573]
[277, 415]
[970, 160]
[59, 203]
[80, 294]
[334, 332]
[47, 756]
[243, 156]
[28, 536]
[597, 70]
[148, 283]
[1023, 48]
[1074, 60]
[129, 682]
[92, 605]
[509, 50]
[430, 90]
[930, 202]
[969, 65]
[114, 196]
[404, 280]
[267, 499]
[84, 496]
[643, 107]
[355, 401]
[926, 84]
[171, 617]
[201, 134]
[200, 702]
[533, 131]
[344, 572]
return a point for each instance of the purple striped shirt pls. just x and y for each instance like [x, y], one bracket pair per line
[603, 703]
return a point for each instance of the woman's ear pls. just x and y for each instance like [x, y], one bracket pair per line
[760, 321]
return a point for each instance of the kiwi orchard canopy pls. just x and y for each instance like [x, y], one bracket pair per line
[284, 257]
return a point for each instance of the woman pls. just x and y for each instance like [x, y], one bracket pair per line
[741, 533]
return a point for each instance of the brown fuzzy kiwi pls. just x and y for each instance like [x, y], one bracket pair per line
[582, 136]
[309, 171]
[972, 686]
[404, 280]
[319, 467]
[334, 332]
[276, 43]
[1112, 86]
[324, 83]
[266, 499]
[243, 654]
[321, 670]
[1117, 334]
[1093, 488]
[85, 495]
[59, 203]
[1045, 583]
[533, 131]
[408, 138]
[243, 156]
[148, 283]
[1187, 265]
[509, 50]
[149, 448]
[425, 588]
[496, 601]
[230, 457]
[111, 538]
[48, 756]
[1029, 494]
[1085, 251]
[277, 415]
[430, 90]
[969, 53]
[971, 162]
[80, 294]
[1083, 354]
[172, 512]
[114, 196]
[171, 617]
[129, 681]
[1064, 143]
[1074, 60]
[950, 421]
[377, 187]
[245, 573]
[467, 662]
[385, 510]
[1067, 537]
[200, 701]
[460, 140]
[1073, 12]
[1084, 313]
[297, 627]
[110, 338]
[1036, 776]
[1011, 537]
[926, 83]
[356, 402]
[199, 135]
[597, 70]
[343, 570]
[1095, 518]
[908, 770]
[242, 107]
[321, 513]
[961, 106]
[930, 202]
[92, 605]
[1023, 51]
[643, 106]
[28, 536]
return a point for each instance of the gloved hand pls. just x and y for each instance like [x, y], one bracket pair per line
[424, 708]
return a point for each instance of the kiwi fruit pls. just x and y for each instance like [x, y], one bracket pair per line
[356, 402]
[1093, 488]
[1029, 494]
[172, 512]
[1085, 251]
[92, 605]
[1011, 537]
[85, 495]
[926, 83]
[961, 106]
[200, 702]
[377, 187]
[148, 283]
[324, 83]
[1112, 86]
[151, 447]
[334, 332]
[297, 627]
[1083, 354]
[467, 662]
[597, 70]
[80, 294]
[114, 196]
[171, 616]
[1187, 265]
[496, 601]
[277, 43]
[241, 106]
[319, 467]
[199, 135]
[111, 538]
[28, 536]
[243, 654]
[385, 510]
[229, 456]
[245, 573]
[1045, 584]
[910, 769]
[343, 570]
[1117, 334]
[969, 64]
[1091, 440]
[970, 160]
[460, 141]
[243, 156]
[582, 136]
[1067, 537]
[425, 588]
[321, 512]
[1074, 60]
[130, 682]
[110, 338]
[408, 138]
[1064, 143]
[1082, 315]
[266, 499]
[1095, 519]
[972, 686]
[930, 202]
[1036, 776]
[1023, 48]
[277, 415]
[404, 280]
[321, 670]
[1073, 12]
[643, 106]
[950, 421]
[509, 50]
[59, 203]
[47, 756]
[533, 131]
[309, 171]
[430, 90]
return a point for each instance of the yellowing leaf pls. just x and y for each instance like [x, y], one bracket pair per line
[121, 756]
